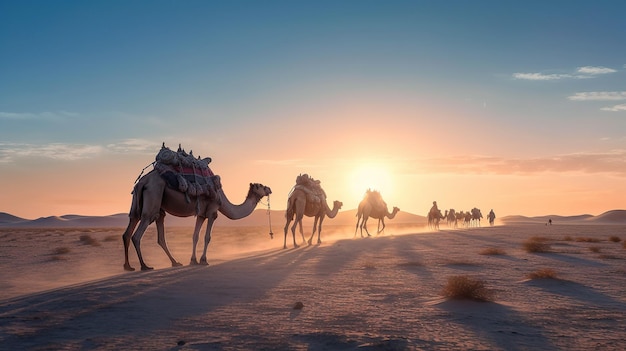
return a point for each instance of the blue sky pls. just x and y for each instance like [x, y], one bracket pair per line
[434, 91]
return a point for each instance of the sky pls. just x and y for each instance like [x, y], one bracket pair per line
[515, 106]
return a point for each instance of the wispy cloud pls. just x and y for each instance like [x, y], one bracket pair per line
[12, 152]
[540, 76]
[595, 70]
[584, 72]
[616, 108]
[49, 116]
[599, 96]
[613, 162]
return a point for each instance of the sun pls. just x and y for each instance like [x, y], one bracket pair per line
[374, 176]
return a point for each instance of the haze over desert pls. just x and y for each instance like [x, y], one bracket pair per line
[312, 175]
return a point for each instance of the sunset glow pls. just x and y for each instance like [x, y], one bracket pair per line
[515, 107]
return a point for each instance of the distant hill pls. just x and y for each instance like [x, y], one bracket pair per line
[9, 218]
[260, 217]
[609, 217]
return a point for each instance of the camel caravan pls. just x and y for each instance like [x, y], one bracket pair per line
[184, 185]
[467, 219]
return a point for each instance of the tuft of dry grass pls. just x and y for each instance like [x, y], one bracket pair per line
[615, 239]
[463, 287]
[86, 239]
[587, 240]
[490, 251]
[61, 250]
[594, 249]
[112, 238]
[544, 273]
[298, 305]
[411, 264]
[536, 245]
[567, 238]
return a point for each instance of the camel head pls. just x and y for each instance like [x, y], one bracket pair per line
[337, 204]
[395, 209]
[259, 190]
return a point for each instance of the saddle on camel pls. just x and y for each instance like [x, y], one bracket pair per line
[311, 187]
[185, 173]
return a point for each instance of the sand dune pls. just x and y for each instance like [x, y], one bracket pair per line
[65, 289]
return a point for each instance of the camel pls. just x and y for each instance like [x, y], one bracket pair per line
[452, 218]
[373, 206]
[434, 217]
[476, 216]
[152, 199]
[300, 205]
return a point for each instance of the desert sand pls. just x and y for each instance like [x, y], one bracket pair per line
[65, 289]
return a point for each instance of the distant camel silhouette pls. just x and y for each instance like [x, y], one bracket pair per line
[300, 204]
[373, 206]
[476, 216]
[451, 218]
[434, 216]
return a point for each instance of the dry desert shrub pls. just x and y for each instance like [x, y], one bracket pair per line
[536, 245]
[464, 287]
[88, 240]
[567, 238]
[490, 251]
[544, 273]
[615, 239]
[411, 264]
[112, 238]
[587, 240]
[61, 250]
[594, 249]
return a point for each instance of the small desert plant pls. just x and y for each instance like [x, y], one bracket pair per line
[463, 287]
[88, 240]
[594, 249]
[112, 238]
[567, 238]
[587, 240]
[615, 239]
[61, 250]
[544, 273]
[536, 245]
[492, 251]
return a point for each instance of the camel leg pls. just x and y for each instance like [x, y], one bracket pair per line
[380, 230]
[364, 225]
[301, 231]
[195, 238]
[293, 231]
[207, 237]
[319, 231]
[285, 230]
[160, 224]
[143, 225]
[132, 223]
[358, 219]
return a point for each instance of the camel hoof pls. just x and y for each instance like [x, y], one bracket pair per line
[319, 242]
[146, 268]
[176, 264]
[127, 267]
[203, 262]
[193, 262]
[309, 242]
[295, 246]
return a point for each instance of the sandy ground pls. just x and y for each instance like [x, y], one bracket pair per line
[61, 292]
